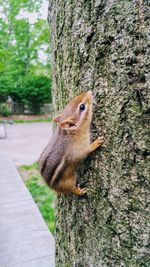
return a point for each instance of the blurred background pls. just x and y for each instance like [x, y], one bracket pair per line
[25, 94]
[25, 71]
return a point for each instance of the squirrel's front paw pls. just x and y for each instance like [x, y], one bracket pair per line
[99, 141]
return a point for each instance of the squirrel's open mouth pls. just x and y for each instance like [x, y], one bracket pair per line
[72, 124]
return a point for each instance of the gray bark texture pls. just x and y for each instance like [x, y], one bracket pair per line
[102, 46]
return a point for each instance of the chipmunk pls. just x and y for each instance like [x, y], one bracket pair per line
[69, 145]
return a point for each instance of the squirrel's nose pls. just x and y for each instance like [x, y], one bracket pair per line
[90, 92]
[90, 96]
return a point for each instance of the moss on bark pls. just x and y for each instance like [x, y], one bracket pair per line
[103, 46]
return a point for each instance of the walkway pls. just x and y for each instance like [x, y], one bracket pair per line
[25, 240]
[25, 141]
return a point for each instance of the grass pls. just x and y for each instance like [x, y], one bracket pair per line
[33, 167]
[43, 196]
[35, 120]
[28, 120]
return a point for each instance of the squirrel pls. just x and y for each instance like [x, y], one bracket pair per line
[69, 145]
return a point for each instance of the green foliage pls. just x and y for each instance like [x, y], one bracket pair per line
[24, 53]
[31, 89]
[4, 110]
[36, 92]
[43, 196]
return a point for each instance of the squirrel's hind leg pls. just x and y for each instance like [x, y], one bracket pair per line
[68, 185]
[79, 191]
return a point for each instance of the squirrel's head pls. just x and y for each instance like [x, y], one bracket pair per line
[77, 114]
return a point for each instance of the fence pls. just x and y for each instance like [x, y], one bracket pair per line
[18, 108]
[47, 109]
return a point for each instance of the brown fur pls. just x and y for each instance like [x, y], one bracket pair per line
[69, 145]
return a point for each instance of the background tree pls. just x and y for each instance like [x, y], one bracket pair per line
[24, 52]
[103, 46]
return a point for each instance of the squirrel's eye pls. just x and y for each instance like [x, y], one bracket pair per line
[82, 107]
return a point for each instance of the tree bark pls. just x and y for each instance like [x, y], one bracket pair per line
[103, 46]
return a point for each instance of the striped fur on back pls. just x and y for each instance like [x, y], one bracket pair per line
[51, 158]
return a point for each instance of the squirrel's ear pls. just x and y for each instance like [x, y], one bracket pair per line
[57, 119]
[68, 124]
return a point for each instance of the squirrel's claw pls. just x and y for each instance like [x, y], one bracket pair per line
[100, 140]
[81, 191]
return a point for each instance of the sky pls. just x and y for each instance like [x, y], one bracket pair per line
[33, 16]
[44, 9]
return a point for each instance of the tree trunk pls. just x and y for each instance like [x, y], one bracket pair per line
[103, 46]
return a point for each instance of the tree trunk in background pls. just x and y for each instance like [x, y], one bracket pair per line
[103, 46]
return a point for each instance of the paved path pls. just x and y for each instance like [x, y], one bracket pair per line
[25, 240]
[25, 142]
